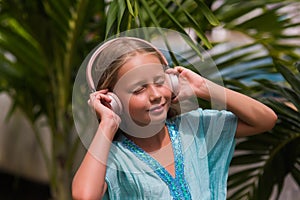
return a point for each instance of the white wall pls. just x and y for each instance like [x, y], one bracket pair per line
[19, 152]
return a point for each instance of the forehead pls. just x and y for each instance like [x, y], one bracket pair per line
[140, 63]
[139, 70]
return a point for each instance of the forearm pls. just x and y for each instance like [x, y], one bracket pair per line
[89, 180]
[254, 117]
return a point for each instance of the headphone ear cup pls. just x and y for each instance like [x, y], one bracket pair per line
[174, 83]
[115, 103]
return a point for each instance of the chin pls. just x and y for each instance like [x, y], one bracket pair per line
[152, 120]
[159, 119]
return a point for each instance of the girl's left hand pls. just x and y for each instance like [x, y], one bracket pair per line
[190, 84]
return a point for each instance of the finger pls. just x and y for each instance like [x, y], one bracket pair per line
[104, 91]
[103, 97]
[175, 100]
[96, 98]
[100, 95]
[179, 69]
[171, 71]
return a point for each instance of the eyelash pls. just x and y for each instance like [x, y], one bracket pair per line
[158, 83]
[139, 90]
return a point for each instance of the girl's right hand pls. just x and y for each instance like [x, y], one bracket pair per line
[100, 102]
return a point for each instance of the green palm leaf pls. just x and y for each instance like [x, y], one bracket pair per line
[274, 154]
[261, 161]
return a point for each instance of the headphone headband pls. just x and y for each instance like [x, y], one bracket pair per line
[105, 45]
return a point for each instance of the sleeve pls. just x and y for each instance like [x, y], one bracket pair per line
[110, 176]
[219, 129]
[116, 189]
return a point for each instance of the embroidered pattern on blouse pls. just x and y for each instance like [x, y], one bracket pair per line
[177, 186]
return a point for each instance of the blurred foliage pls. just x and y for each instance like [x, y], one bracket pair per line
[264, 161]
[264, 67]
[43, 43]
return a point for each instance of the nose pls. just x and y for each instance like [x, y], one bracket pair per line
[154, 93]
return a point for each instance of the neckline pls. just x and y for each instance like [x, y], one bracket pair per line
[177, 185]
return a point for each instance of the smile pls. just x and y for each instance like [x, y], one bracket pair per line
[157, 109]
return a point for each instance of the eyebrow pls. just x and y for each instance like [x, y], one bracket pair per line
[144, 82]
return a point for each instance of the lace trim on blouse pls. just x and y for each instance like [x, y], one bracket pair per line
[177, 186]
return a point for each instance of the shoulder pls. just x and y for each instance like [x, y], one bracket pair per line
[205, 116]
[214, 126]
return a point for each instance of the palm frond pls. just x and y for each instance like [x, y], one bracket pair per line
[273, 154]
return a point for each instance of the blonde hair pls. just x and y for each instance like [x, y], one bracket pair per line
[114, 56]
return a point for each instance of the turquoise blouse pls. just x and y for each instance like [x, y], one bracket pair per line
[203, 144]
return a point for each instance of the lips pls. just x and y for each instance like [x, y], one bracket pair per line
[157, 108]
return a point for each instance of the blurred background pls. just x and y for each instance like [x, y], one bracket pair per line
[255, 44]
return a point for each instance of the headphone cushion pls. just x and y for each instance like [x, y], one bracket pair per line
[174, 83]
[115, 103]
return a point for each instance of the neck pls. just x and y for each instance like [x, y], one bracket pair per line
[153, 143]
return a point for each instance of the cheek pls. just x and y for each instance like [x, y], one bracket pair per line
[167, 93]
[136, 104]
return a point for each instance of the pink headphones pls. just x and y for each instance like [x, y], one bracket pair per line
[116, 104]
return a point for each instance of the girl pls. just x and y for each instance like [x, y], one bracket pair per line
[142, 149]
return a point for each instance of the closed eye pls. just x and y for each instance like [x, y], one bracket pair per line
[141, 86]
[139, 89]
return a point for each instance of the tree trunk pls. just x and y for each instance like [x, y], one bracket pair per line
[60, 184]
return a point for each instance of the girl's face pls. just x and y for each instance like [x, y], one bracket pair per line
[143, 89]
